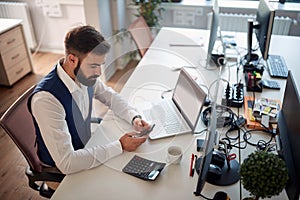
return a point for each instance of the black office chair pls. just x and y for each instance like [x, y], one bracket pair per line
[18, 124]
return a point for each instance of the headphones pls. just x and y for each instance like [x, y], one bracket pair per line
[254, 67]
[221, 196]
[226, 117]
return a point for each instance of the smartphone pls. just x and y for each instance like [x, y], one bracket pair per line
[146, 131]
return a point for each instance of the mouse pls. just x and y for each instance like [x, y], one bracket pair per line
[215, 170]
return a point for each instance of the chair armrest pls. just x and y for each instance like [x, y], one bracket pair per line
[96, 120]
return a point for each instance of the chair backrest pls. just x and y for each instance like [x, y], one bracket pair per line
[141, 34]
[18, 123]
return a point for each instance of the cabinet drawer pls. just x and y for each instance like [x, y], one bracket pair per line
[14, 56]
[18, 71]
[11, 39]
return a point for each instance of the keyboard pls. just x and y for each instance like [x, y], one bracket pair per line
[143, 168]
[165, 118]
[277, 67]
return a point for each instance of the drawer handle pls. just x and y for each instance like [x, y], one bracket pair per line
[18, 72]
[16, 56]
[11, 41]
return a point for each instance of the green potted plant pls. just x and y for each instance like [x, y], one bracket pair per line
[263, 174]
[150, 9]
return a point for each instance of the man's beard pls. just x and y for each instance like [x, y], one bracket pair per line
[90, 81]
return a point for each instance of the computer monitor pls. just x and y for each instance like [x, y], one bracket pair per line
[289, 136]
[213, 35]
[262, 26]
[203, 163]
[229, 172]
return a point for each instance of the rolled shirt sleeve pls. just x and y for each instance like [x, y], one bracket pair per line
[50, 116]
[114, 101]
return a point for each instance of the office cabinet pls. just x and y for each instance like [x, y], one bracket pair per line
[15, 60]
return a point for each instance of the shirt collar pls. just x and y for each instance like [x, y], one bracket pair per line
[67, 80]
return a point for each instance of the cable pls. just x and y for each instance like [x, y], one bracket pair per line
[223, 113]
[260, 145]
[200, 132]
[215, 81]
[204, 197]
[235, 145]
[265, 146]
[231, 138]
[247, 135]
[164, 92]
[40, 42]
[227, 146]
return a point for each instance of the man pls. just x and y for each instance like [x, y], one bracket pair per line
[61, 106]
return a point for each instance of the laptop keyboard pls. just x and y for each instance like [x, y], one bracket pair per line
[164, 117]
[277, 67]
[171, 128]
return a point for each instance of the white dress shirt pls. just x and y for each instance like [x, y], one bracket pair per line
[50, 117]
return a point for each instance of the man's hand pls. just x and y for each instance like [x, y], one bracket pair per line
[130, 143]
[140, 124]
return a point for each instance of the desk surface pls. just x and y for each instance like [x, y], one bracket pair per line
[7, 24]
[153, 75]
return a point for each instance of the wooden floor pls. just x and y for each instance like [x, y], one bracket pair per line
[13, 182]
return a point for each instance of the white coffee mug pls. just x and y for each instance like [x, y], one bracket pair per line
[174, 155]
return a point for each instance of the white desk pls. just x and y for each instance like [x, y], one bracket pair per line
[153, 75]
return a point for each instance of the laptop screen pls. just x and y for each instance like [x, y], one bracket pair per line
[189, 97]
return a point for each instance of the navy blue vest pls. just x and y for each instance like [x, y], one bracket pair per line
[80, 129]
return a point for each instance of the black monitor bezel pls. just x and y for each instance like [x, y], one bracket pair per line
[263, 26]
[288, 131]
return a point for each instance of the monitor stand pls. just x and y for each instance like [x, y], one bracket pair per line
[251, 58]
[229, 175]
[219, 59]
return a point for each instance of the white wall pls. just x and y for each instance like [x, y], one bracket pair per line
[91, 13]
[50, 31]
[114, 15]
[196, 11]
[106, 29]
[98, 14]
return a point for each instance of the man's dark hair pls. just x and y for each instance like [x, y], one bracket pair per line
[85, 39]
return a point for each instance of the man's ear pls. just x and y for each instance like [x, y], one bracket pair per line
[72, 60]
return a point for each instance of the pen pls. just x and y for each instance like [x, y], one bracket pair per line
[191, 165]
[195, 163]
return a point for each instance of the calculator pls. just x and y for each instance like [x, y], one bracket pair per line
[143, 168]
[271, 84]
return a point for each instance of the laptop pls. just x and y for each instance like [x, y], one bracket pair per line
[179, 114]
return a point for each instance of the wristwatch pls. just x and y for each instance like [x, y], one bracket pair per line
[137, 116]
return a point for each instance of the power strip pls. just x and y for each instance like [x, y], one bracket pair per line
[234, 95]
